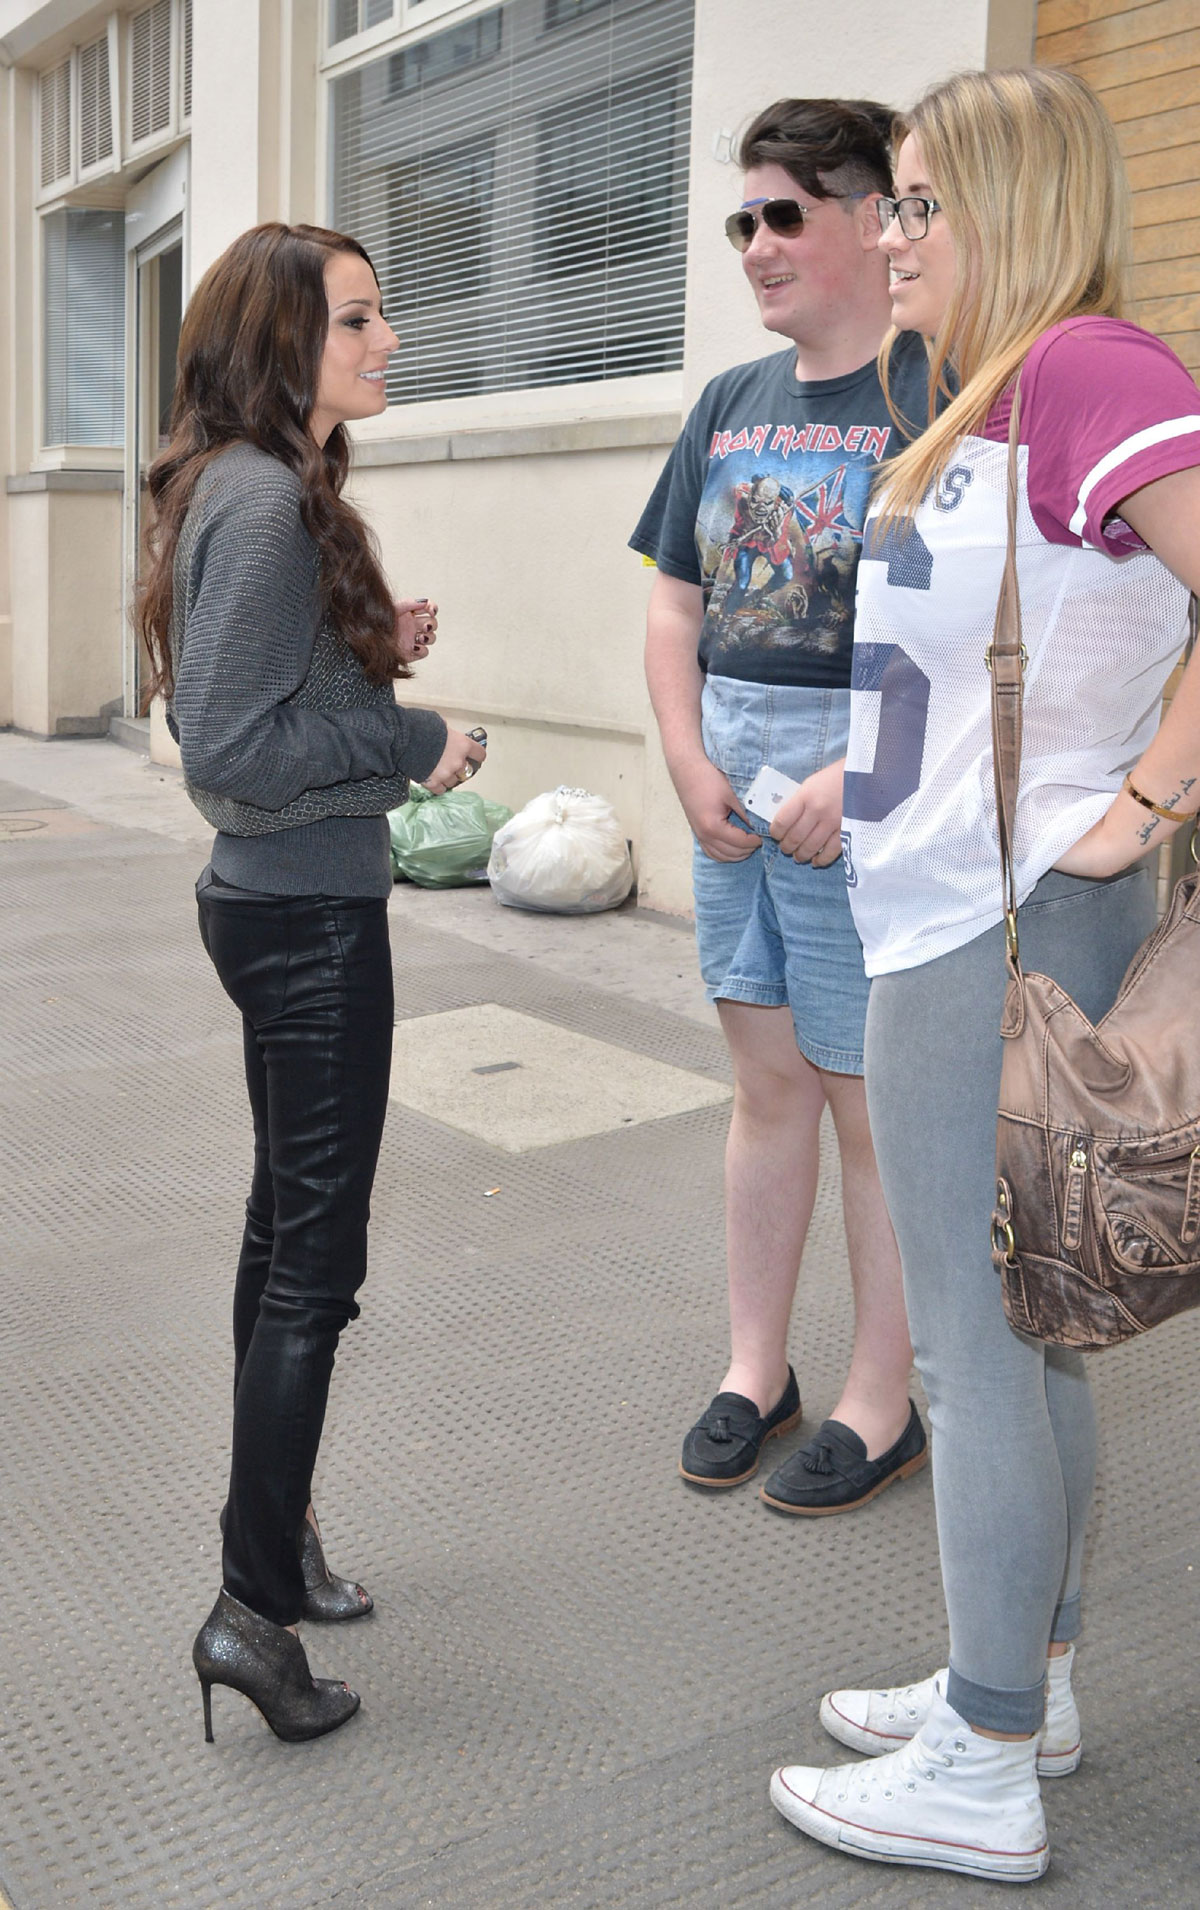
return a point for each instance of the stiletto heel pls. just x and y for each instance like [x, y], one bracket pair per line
[266, 1663]
[326, 1598]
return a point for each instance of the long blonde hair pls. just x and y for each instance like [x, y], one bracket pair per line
[1026, 167]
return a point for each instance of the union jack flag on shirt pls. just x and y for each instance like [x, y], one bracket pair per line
[822, 508]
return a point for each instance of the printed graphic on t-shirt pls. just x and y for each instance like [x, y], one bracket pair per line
[761, 505]
[778, 535]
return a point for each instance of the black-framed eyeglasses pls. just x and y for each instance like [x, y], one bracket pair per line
[783, 216]
[913, 213]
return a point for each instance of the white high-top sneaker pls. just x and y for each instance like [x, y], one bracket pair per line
[949, 1799]
[875, 1722]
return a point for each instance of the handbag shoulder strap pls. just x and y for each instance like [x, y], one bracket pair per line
[1006, 660]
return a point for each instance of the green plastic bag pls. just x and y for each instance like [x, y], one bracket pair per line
[443, 842]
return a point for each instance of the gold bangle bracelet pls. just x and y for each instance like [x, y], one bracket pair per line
[1168, 815]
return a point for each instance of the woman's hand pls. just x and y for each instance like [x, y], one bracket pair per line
[453, 766]
[416, 627]
[1124, 834]
[808, 826]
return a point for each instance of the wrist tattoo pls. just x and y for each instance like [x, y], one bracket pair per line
[1166, 810]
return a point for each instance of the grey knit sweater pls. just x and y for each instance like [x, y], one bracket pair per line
[288, 750]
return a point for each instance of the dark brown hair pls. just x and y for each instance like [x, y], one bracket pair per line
[829, 146]
[250, 354]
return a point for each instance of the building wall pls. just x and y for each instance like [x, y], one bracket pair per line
[1144, 62]
[7, 344]
[65, 541]
[510, 510]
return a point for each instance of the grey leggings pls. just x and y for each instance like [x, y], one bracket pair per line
[1014, 1434]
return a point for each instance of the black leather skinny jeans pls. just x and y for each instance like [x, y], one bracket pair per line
[312, 977]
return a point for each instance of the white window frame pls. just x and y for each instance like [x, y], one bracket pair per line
[646, 395]
[409, 17]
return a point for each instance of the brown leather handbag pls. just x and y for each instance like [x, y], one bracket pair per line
[1096, 1228]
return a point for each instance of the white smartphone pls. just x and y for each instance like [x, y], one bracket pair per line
[769, 789]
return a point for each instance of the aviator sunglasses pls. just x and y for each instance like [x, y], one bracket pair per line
[785, 217]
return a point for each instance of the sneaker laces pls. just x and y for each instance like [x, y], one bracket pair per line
[910, 1768]
[902, 1699]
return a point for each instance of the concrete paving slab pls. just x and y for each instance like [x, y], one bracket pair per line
[13, 799]
[579, 1673]
[519, 1082]
[61, 821]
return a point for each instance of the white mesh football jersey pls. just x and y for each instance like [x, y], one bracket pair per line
[1102, 633]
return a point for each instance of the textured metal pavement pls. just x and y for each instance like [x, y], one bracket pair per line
[579, 1674]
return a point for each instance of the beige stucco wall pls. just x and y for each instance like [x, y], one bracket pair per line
[66, 607]
[541, 608]
[7, 143]
[225, 160]
[29, 539]
[254, 118]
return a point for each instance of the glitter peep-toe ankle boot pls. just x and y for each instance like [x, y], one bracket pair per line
[266, 1663]
[328, 1599]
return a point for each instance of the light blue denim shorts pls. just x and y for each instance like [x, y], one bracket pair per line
[770, 930]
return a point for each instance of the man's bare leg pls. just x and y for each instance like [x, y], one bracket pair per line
[772, 1160]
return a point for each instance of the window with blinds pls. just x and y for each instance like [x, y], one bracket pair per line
[54, 111]
[150, 71]
[520, 181]
[84, 319]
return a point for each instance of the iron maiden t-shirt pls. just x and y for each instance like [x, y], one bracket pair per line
[762, 503]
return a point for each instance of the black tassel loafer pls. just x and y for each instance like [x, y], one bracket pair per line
[722, 1447]
[833, 1474]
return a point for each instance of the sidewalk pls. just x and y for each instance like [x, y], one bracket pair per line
[579, 1674]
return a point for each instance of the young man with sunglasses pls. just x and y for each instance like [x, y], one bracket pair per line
[756, 527]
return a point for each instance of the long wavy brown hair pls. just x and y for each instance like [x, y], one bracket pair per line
[250, 354]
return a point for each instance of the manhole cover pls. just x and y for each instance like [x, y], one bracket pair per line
[19, 826]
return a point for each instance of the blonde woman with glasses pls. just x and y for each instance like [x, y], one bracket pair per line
[1006, 243]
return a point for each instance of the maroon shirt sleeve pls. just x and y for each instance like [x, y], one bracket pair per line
[1105, 408]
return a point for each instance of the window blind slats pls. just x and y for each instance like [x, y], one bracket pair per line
[150, 70]
[55, 112]
[84, 315]
[187, 59]
[520, 181]
[95, 105]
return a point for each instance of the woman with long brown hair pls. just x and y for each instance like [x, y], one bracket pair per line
[276, 644]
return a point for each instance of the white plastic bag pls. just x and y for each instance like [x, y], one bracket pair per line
[564, 853]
